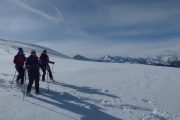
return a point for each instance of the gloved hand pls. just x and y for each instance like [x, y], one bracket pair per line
[25, 67]
[51, 62]
[16, 66]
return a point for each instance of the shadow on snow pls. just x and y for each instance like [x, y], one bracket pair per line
[73, 104]
[85, 89]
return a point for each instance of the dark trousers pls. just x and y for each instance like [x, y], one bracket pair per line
[20, 76]
[33, 77]
[44, 68]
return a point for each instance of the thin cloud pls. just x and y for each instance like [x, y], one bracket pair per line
[60, 14]
[42, 14]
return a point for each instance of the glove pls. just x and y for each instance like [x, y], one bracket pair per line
[51, 62]
[25, 67]
[16, 66]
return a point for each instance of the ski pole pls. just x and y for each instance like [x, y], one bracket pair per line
[24, 94]
[52, 68]
[47, 80]
[13, 78]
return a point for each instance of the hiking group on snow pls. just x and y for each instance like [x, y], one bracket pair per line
[32, 64]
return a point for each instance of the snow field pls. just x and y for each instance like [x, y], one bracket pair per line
[94, 91]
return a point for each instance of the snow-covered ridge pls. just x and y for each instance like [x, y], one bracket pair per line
[8, 47]
[160, 60]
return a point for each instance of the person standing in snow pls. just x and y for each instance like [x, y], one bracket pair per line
[44, 64]
[32, 64]
[19, 61]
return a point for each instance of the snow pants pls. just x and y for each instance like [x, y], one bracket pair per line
[20, 77]
[33, 76]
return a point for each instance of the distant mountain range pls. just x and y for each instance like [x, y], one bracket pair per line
[166, 58]
[161, 60]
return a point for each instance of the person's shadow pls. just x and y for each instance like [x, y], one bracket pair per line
[85, 89]
[66, 101]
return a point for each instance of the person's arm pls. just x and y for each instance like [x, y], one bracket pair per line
[27, 63]
[38, 61]
[51, 62]
[25, 58]
[40, 58]
[15, 60]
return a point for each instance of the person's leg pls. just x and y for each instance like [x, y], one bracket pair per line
[44, 73]
[19, 74]
[50, 73]
[31, 80]
[22, 75]
[37, 84]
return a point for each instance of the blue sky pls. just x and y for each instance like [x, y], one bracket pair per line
[94, 27]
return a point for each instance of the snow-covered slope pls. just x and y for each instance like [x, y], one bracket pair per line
[94, 91]
[10, 47]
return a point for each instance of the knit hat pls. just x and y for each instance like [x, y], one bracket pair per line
[33, 51]
[20, 50]
[44, 50]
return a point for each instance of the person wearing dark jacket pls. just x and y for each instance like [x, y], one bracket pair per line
[19, 61]
[32, 64]
[44, 64]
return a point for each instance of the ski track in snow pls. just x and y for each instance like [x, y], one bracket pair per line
[85, 101]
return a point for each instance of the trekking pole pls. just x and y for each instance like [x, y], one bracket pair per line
[13, 78]
[47, 80]
[24, 92]
[52, 68]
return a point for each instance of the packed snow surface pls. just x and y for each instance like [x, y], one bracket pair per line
[93, 91]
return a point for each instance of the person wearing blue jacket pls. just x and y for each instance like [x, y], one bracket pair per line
[33, 65]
